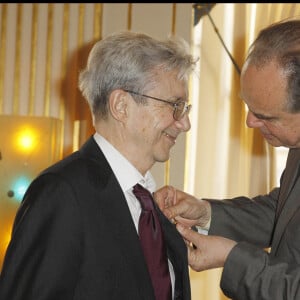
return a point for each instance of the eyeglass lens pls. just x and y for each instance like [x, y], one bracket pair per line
[180, 110]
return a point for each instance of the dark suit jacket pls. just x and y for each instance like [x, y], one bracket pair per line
[273, 221]
[74, 238]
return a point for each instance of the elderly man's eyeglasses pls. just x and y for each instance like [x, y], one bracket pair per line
[180, 108]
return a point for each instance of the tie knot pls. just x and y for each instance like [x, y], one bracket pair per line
[144, 196]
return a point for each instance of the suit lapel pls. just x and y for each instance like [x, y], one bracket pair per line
[121, 226]
[289, 196]
[289, 177]
[177, 254]
[290, 208]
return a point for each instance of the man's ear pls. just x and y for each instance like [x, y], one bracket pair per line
[118, 104]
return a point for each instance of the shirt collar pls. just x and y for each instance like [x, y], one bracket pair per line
[125, 172]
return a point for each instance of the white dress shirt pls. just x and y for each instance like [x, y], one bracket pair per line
[128, 176]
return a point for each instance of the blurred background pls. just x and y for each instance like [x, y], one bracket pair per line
[43, 117]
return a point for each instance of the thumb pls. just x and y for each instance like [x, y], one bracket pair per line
[188, 234]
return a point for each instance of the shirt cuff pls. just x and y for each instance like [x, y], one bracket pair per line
[204, 229]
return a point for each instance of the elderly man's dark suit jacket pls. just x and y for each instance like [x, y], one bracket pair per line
[270, 221]
[74, 238]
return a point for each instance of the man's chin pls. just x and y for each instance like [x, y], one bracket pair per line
[163, 158]
[273, 142]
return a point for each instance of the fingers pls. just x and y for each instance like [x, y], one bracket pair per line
[165, 197]
[191, 238]
[189, 235]
[209, 251]
[179, 206]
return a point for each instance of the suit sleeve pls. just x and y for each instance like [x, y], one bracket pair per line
[249, 274]
[233, 218]
[42, 259]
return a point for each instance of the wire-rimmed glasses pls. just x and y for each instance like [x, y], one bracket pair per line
[180, 108]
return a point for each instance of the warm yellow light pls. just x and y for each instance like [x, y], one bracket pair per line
[26, 139]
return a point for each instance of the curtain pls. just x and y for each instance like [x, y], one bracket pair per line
[224, 157]
[42, 47]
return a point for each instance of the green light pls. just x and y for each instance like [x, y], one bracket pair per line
[19, 187]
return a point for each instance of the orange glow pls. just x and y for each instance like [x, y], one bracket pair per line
[5, 237]
[5, 240]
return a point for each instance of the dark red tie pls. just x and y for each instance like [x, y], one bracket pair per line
[151, 237]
